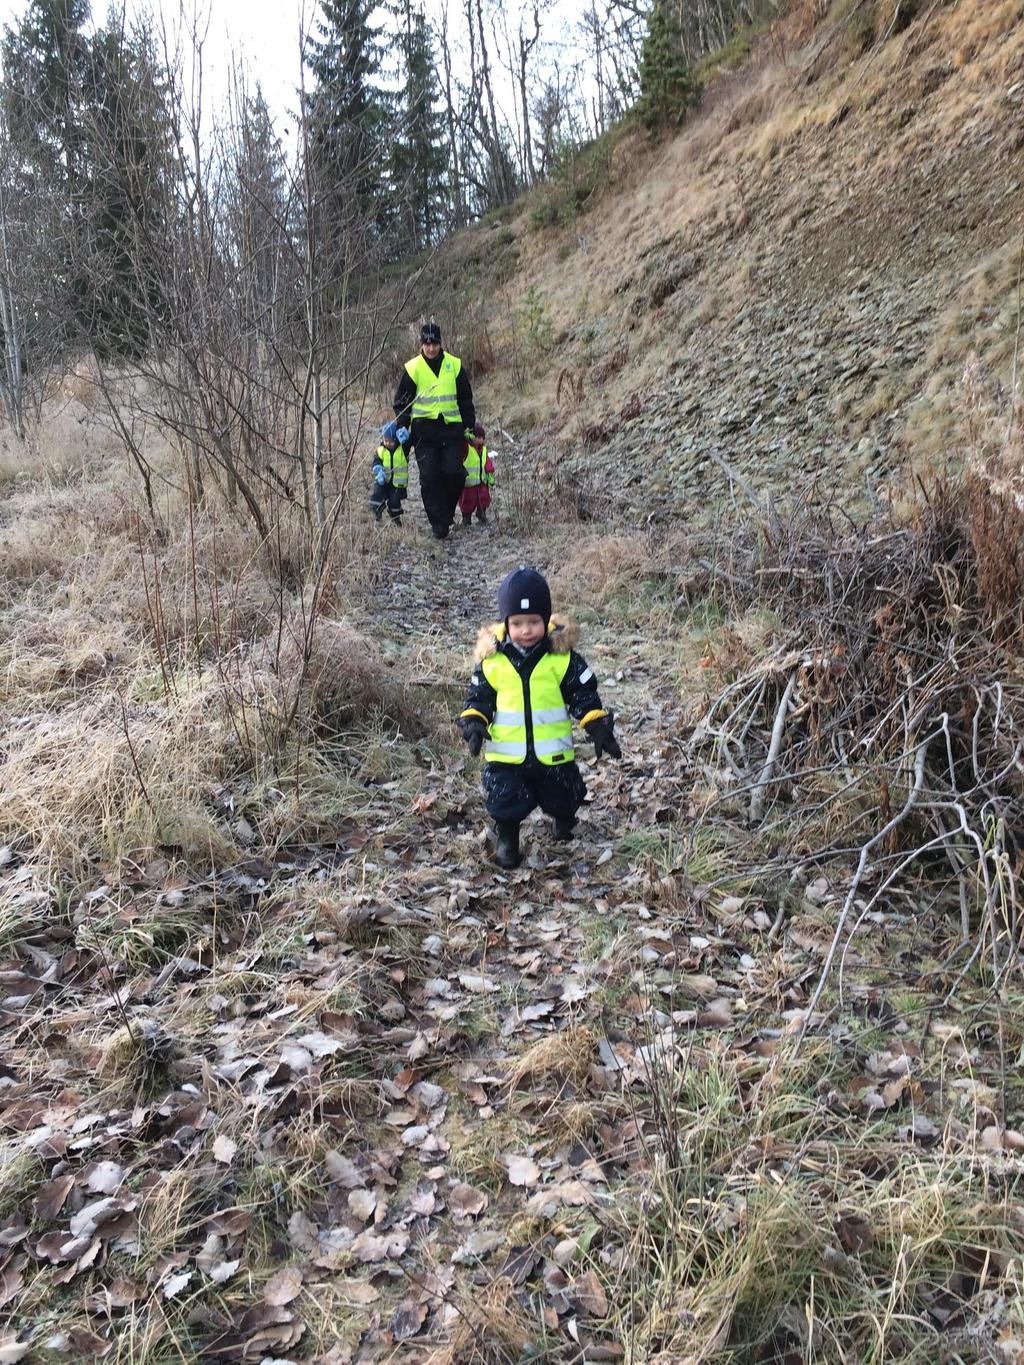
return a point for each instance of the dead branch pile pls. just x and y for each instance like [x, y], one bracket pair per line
[885, 724]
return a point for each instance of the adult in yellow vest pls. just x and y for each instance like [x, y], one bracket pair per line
[528, 683]
[435, 401]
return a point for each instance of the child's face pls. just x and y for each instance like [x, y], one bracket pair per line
[389, 444]
[526, 630]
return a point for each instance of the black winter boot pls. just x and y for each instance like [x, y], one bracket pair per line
[564, 829]
[481, 515]
[507, 854]
[467, 521]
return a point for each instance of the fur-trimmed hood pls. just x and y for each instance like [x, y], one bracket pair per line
[563, 634]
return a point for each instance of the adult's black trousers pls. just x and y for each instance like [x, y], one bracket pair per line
[440, 455]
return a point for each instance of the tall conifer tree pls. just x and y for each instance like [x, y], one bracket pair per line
[419, 161]
[347, 115]
[88, 129]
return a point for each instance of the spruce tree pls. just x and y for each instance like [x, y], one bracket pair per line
[128, 147]
[45, 62]
[89, 132]
[668, 87]
[259, 216]
[347, 116]
[419, 160]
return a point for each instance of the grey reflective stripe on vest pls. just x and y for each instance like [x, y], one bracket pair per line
[431, 399]
[552, 746]
[501, 746]
[550, 716]
[509, 718]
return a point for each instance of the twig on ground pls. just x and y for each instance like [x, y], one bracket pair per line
[883, 833]
[758, 796]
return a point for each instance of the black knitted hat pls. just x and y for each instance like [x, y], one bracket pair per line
[430, 332]
[524, 592]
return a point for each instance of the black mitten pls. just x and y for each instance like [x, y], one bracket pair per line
[603, 735]
[474, 731]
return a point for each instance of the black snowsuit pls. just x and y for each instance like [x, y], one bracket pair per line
[440, 447]
[386, 494]
[513, 790]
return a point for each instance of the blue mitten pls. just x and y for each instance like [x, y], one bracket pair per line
[380, 474]
[402, 435]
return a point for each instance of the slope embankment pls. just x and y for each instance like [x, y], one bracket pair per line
[794, 282]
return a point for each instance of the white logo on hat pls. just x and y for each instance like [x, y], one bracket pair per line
[524, 604]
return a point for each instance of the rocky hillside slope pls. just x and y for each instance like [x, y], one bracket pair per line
[794, 282]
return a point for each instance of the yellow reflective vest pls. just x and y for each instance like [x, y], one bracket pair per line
[537, 716]
[435, 393]
[475, 461]
[396, 465]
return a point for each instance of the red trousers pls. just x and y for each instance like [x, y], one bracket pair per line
[472, 498]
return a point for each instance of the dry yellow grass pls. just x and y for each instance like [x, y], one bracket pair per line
[567, 1055]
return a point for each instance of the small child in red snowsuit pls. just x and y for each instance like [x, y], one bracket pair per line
[476, 494]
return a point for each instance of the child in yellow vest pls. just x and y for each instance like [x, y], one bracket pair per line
[476, 495]
[390, 473]
[528, 682]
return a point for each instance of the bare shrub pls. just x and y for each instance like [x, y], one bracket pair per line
[569, 389]
[538, 489]
[996, 520]
[889, 703]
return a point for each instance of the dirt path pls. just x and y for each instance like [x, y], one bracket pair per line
[374, 1099]
[341, 1105]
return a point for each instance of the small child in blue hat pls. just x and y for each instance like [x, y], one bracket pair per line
[390, 473]
[528, 684]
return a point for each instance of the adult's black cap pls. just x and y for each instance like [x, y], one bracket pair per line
[430, 332]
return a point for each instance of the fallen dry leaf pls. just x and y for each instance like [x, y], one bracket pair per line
[357, 1293]
[344, 1171]
[103, 1177]
[84, 1342]
[589, 1296]
[362, 1203]
[281, 1288]
[100, 1211]
[11, 1282]
[174, 1284]
[224, 1149]
[370, 1247]
[51, 1197]
[301, 1232]
[522, 1170]
[477, 985]
[855, 1233]
[572, 1192]
[427, 1094]
[465, 1202]
[409, 1318]
[478, 1244]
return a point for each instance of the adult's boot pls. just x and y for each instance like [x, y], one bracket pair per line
[507, 854]
[564, 829]
[481, 515]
